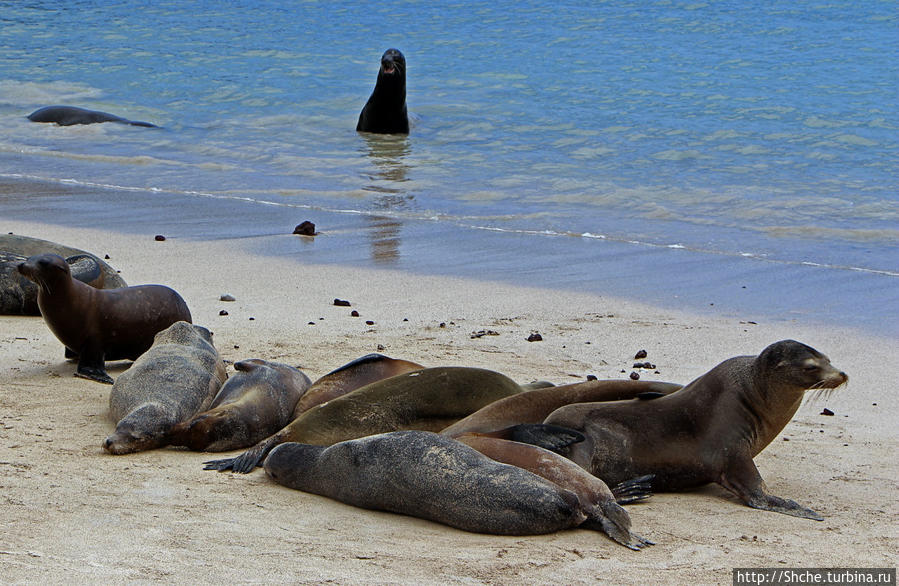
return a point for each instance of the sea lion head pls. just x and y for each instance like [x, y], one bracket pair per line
[393, 63]
[137, 432]
[801, 367]
[182, 332]
[45, 269]
[290, 463]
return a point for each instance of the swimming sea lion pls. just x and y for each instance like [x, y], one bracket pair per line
[385, 112]
[707, 432]
[534, 406]
[351, 376]
[255, 402]
[429, 476]
[428, 399]
[100, 324]
[70, 115]
[177, 377]
[598, 502]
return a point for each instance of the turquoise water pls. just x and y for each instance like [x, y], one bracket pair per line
[764, 130]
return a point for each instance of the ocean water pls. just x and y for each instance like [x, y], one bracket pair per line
[697, 141]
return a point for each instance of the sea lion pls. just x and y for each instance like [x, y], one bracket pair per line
[177, 377]
[429, 476]
[255, 402]
[70, 115]
[535, 405]
[351, 376]
[18, 295]
[385, 112]
[600, 504]
[707, 432]
[100, 324]
[428, 399]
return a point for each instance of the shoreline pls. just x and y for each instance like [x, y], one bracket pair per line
[77, 514]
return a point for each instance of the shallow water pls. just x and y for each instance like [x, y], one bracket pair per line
[624, 137]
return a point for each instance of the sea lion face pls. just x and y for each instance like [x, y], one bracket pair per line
[393, 63]
[44, 268]
[801, 366]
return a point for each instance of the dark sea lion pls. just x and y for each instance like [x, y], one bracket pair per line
[177, 377]
[255, 402]
[707, 432]
[429, 476]
[351, 376]
[598, 502]
[18, 295]
[71, 115]
[385, 112]
[428, 399]
[535, 405]
[100, 324]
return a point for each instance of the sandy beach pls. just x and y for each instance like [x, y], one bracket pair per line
[72, 513]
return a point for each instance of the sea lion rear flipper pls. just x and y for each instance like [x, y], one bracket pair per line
[614, 521]
[550, 437]
[633, 490]
[246, 462]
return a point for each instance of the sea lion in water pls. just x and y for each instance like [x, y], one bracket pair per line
[707, 432]
[100, 324]
[177, 377]
[428, 399]
[71, 115]
[429, 476]
[351, 376]
[600, 504]
[385, 112]
[255, 402]
[534, 406]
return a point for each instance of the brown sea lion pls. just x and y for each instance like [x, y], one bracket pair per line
[599, 503]
[177, 377]
[99, 324]
[534, 406]
[707, 432]
[255, 402]
[351, 376]
[428, 399]
[429, 476]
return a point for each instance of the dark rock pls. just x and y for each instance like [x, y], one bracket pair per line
[827, 412]
[640, 354]
[635, 375]
[223, 312]
[354, 313]
[535, 337]
[227, 297]
[341, 303]
[159, 238]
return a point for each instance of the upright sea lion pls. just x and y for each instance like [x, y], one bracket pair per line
[429, 476]
[534, 406]
[177, 377]
[428, 399]
[255, 402]
[599, 503]
[707, 432]
[99, 324]
[351, 376]
[385, 112]
[70, 115]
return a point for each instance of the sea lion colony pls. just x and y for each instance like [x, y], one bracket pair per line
[466, 447]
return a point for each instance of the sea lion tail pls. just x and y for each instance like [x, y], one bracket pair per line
[633, 490]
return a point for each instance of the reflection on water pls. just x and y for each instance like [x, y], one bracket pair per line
[387, 152]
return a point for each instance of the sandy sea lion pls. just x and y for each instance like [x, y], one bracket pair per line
[534, 406]
[429, 476]
[428, 399]
[177, 377]
[351, 376]
[599, 503]
[100, 324]
[70, 115]
[707, 432]
[255, 402]
[385, 112]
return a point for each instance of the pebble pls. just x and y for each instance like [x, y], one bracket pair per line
[223, 312]
[354, 313]
[640, 354]
[535, 337]
[159, 238]
[227, 297]
[827, 412]
[341, 303]
[635, 375]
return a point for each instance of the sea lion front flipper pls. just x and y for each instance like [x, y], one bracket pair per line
[633, 490]
[743, 479]
[246, 462]
[90, 370]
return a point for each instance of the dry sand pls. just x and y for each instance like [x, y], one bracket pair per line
[72, 513]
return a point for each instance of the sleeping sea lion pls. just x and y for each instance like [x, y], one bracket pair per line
[70, 115]
[385, 112]
[707, 432]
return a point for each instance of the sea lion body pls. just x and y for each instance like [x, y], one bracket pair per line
[429, 476]
[707, 432]
[428, 399]
[71, 115]
[177, 377]
[534, 406]
[255, 402]
[100, 324]
[385, 111]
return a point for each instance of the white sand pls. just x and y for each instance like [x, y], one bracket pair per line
[72, 513]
